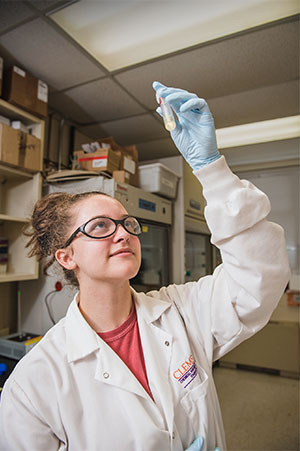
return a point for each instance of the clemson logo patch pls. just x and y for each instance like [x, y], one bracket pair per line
[186, 372]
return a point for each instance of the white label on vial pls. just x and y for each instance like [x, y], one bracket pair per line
[129, 165]
[99, 163]
[167, 182]
[42, 93]
[19, 71]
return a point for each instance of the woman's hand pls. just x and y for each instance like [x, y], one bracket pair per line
[194, 135]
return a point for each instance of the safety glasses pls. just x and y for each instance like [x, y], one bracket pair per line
[103, 227]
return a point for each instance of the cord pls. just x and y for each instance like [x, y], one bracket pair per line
[48, 306]
[58, 287]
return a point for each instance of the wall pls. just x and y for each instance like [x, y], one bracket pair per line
[282, 185]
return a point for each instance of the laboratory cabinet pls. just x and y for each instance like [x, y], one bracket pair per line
[155, 265]
[198, 256]
[276, 347]
[192, 254]
[194, 201]
[19, 190]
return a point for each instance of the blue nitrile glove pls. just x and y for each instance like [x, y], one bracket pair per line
[194, 135]
[196, 445]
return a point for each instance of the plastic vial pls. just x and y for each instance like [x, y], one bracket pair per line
[167, 113]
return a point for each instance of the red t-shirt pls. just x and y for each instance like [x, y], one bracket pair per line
[125, 340]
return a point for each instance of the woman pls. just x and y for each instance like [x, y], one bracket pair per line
[133, 371]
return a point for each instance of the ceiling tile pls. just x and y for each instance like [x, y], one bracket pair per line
[49, 5]
[94, 131]
[61, 103]
[262, 104]
[104, 100]
[252, 60]
[13, 12]
[135, 129]
[48, 55]
[158, 148]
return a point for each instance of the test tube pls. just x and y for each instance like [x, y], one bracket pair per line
[167, 113]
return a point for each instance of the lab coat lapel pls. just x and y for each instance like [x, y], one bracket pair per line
[112, 370]
[157, 346]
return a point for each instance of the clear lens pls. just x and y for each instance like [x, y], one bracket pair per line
[100, 227]
[132, 226]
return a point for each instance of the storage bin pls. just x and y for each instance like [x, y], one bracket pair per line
[159, 179]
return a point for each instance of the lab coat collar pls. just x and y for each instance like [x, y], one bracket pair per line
[150, 306]
[82, 340]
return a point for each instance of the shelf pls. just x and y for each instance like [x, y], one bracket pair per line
[10, 173]
[13, 218]
[15, 277]
[37, 125]
[16, 113]
[20, 189]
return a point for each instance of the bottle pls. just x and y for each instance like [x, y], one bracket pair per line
[167, 113]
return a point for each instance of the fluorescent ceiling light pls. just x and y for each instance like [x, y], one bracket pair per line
[259, 132]
[122, 33]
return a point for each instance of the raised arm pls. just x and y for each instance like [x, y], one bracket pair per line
[238, 300]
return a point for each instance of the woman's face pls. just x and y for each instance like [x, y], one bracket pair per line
[117, 257]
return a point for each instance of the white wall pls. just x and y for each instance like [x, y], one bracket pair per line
[282, 185]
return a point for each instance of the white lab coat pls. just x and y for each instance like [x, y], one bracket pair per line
[73, 392]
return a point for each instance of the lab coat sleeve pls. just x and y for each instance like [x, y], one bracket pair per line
[238, 299]
[21, 424]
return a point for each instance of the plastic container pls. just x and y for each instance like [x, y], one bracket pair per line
[159, 179]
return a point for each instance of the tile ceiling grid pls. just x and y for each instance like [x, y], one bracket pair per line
[131, 116]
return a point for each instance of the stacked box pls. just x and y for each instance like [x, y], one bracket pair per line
[9, 145]
[102, 160]
[19, 149]
[128, 172]
[24, 90]
[29, 152]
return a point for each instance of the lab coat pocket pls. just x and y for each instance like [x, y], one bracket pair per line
[194, 403]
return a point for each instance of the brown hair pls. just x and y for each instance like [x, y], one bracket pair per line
[48, 227]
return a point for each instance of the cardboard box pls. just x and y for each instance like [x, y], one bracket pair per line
[9, 145]
[129, 160]
[103, 160]
[20, 149]
[1, 74]
[130, 166]
[121, 176]
[4, 120]
[29, 152]
[23, 89]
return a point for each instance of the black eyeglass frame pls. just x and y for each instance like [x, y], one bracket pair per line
[116, 221]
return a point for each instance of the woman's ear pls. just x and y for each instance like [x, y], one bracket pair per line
[64, 258]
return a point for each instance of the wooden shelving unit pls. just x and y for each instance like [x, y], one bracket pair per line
[19, 190]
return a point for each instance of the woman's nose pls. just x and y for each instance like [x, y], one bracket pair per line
[121, 233]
